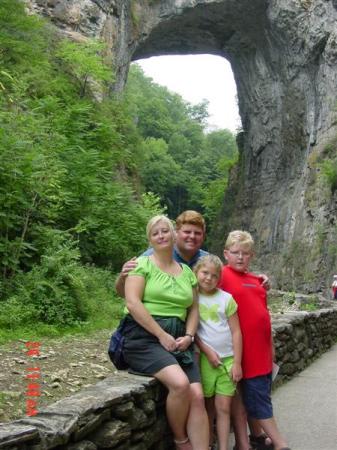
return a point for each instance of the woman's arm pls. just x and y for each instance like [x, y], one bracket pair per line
[134, 290]
[234, 325]
[192, 321]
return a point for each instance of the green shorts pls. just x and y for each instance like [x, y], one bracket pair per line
[217, 380]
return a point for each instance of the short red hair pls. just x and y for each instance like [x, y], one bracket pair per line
[192, 218]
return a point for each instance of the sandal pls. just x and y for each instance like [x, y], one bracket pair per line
[259, 442]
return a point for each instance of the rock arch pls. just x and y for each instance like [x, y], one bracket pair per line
[284, 58]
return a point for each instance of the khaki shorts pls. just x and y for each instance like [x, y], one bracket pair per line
[217, 380]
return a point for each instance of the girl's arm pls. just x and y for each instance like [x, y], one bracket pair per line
[192, 321]
[211, 354]
[234, 325]
[134, 290]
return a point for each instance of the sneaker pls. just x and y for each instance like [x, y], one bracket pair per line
[259, 442]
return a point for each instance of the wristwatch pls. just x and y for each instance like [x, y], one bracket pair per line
[191, 336]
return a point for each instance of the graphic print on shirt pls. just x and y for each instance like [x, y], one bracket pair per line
[209, 313]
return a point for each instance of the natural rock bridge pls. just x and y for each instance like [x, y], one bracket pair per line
[284, 58]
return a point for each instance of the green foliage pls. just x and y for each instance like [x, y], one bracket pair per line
[160, 173]
[186, 167]
[81, 173]
[326, 161]
[289, 298]
[329, 171]
[134, 15]
[309, 306]
[53, 292]
[21, 36]
[221, 157]
[83, 62]
[58, 291]
[114, 230]
[68, 178]
[199, 112]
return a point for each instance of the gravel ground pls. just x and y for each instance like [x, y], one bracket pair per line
[61, 366]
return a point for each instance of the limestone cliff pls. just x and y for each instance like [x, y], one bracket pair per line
[284, 58]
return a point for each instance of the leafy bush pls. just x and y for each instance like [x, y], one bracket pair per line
[13, 313]
[329, 171]
[59, 291]
[53, 290]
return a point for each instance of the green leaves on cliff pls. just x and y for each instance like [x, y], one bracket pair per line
[324, 161]
[85, 63]
[22, 37]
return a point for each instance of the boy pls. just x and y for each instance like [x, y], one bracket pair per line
[258, 353]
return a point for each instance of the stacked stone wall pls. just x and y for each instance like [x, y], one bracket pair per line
[127, 412]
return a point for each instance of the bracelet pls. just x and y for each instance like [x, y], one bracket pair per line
[191, 336]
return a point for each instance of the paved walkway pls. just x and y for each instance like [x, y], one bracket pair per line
[306, 406]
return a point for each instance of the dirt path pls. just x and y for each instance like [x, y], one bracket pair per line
[49, 369]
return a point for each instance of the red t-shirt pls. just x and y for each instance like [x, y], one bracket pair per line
[254, 318]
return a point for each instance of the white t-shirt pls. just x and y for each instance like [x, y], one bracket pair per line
[213, 327]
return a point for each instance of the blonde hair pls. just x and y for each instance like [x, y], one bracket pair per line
[240, 237]
[209, 259]
[156, 219]
[190, 217]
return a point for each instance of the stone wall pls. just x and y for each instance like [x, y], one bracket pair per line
[127, 412]
[300, 337]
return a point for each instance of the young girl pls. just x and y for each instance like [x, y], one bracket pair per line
[220, 343]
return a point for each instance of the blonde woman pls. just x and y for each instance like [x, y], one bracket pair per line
[161, 323]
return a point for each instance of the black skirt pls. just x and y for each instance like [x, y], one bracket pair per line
[145, 355]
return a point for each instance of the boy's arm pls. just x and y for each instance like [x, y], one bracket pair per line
[273, 354]
[234, 325]
[265, 280]
[120, 281]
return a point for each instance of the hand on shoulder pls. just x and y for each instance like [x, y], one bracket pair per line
[128, 266]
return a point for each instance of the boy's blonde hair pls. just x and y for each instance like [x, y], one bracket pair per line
[240, 237]
[209, 259]
[154, 220]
